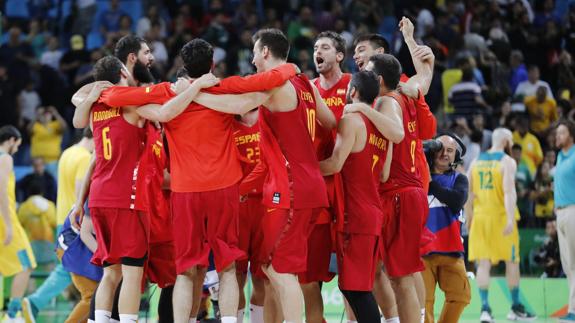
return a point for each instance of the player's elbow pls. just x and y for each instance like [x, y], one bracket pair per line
[397, 135]
[79, 123]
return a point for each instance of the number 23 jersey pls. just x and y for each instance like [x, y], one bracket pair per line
[118, 146]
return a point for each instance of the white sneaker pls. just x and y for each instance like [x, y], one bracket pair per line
[486, 317]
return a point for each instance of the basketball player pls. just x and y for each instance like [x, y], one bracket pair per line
[492, 215]
[16, 256]
[294, 187]
[113, 205]
[360, 154]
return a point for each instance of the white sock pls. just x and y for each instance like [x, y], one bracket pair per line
[229, 319]
[128, 318]
[241, 315]
[392, 320]
[193, 320]
[102, 316]
[423, 315]
[91, 321]
[114, 321]
[349, 321]
[256, 314]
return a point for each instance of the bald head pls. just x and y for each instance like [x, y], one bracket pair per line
[501, 138]
[445, 158]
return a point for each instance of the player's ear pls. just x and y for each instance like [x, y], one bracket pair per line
[380, 79]
[339, 57]
[353, 92]
[380, 50]
[265, 51]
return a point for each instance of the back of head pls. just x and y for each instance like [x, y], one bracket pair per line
[9, 132]
[108, 69]
[500, 135]
[467, 74]
[275, 40]
[127, 45]
[375, 40]
[388, 67]
[366, 84]
[336, 39]
[198, 57]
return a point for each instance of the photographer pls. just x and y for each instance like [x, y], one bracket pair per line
[46, 133]
[443, 257]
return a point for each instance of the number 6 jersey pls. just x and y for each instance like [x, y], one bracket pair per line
[118, 146]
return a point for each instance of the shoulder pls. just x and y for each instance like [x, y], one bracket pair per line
[6, 162]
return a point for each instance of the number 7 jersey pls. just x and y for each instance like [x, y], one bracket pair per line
[118, 146]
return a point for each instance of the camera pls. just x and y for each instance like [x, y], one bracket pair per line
[430, 148]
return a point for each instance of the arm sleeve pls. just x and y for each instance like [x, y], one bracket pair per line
[454, 198]
[121, 96]
[425, 119]
[254, 83]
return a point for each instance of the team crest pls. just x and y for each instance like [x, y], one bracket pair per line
[340, 92]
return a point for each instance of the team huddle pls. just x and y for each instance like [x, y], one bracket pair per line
[270, 173]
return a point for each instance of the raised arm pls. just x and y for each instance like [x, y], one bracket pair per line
[386, 116]
[346, 136]
[324, 115]
[422, 56]
[6, 166]
[510, 195]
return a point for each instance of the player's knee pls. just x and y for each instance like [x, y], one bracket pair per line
[231, 268]
[112, 274]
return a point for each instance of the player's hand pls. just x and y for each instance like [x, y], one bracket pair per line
[409, 90]
[423, 53]
[508, 228]
[97, 89]
[207, 80]
[76, 216]
[181, 85]
[355, 107]
[406, 27]
[8, 234]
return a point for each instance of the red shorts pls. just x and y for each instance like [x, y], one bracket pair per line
[161, 265]
[318, 255]
[204, 221]
[251, 236]
[285, 239]
[404, 212]
[120, 233]
[357, 256]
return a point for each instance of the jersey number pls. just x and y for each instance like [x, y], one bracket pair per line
[107, 143]
[311, 122]
[375, 160]
[485, 180]
[253, 152]
[412, 153]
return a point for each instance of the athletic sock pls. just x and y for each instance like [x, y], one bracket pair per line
[483, 294]
[102, 316]
[241, 315]
[112, 320]
[514, 296]
[14, 306]
[193, 320]
[256, 314]
[422, 315]
[348, 321]
[128, 318]
[392, 320]
[229, 319]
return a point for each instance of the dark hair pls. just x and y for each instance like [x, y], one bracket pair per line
[35, 187]
[388, 68]
[476, 136]
[198, 57]
[275, 40]
[376, 41]
[532, 68]
[467, 74]
[516, 147]
[366, 84]
[127, 45]
[109, 69]
[87, 133]
[8, 132]
[570, 125]
[336, 39]
[181, 72]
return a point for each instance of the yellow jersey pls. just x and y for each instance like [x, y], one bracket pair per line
[72, 167]
[531, 150]
[46, 141]
[487, 177]
[38, 218]
[11, 204]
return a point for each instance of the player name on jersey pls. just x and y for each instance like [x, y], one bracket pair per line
[377, 141]
[334, 101]
[106, 114]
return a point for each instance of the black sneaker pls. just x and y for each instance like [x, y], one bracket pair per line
[518, 313]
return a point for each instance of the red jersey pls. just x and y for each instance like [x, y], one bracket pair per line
[360, 174]
[247, 140]
[201, 139]
[155, 199]
[404, 172]
[118, 146]
[293, 179]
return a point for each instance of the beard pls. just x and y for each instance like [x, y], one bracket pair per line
[142, 73]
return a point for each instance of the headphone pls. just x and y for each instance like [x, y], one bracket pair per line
[460, 150]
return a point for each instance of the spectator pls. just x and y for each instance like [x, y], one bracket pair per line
[40, 177]
[51, 57]
[465, 96]
[244, 54]
[46, 134]
[565, 72]
[159, 50]
[479, 125]
[109, 20]
[126, 27]
[38, 218]
[543, 194]
[548, 255]
[529, 87]
[86, 11]
[84, 73]
[532, 153]
[518, 70]
[551, 158]
[8, 98]
[18, 57]
[74, 58]
[36, 37]
[523, 184]
[473, 149]
[28, 101]
[151, 17]
[542, 111]
[565, 207]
